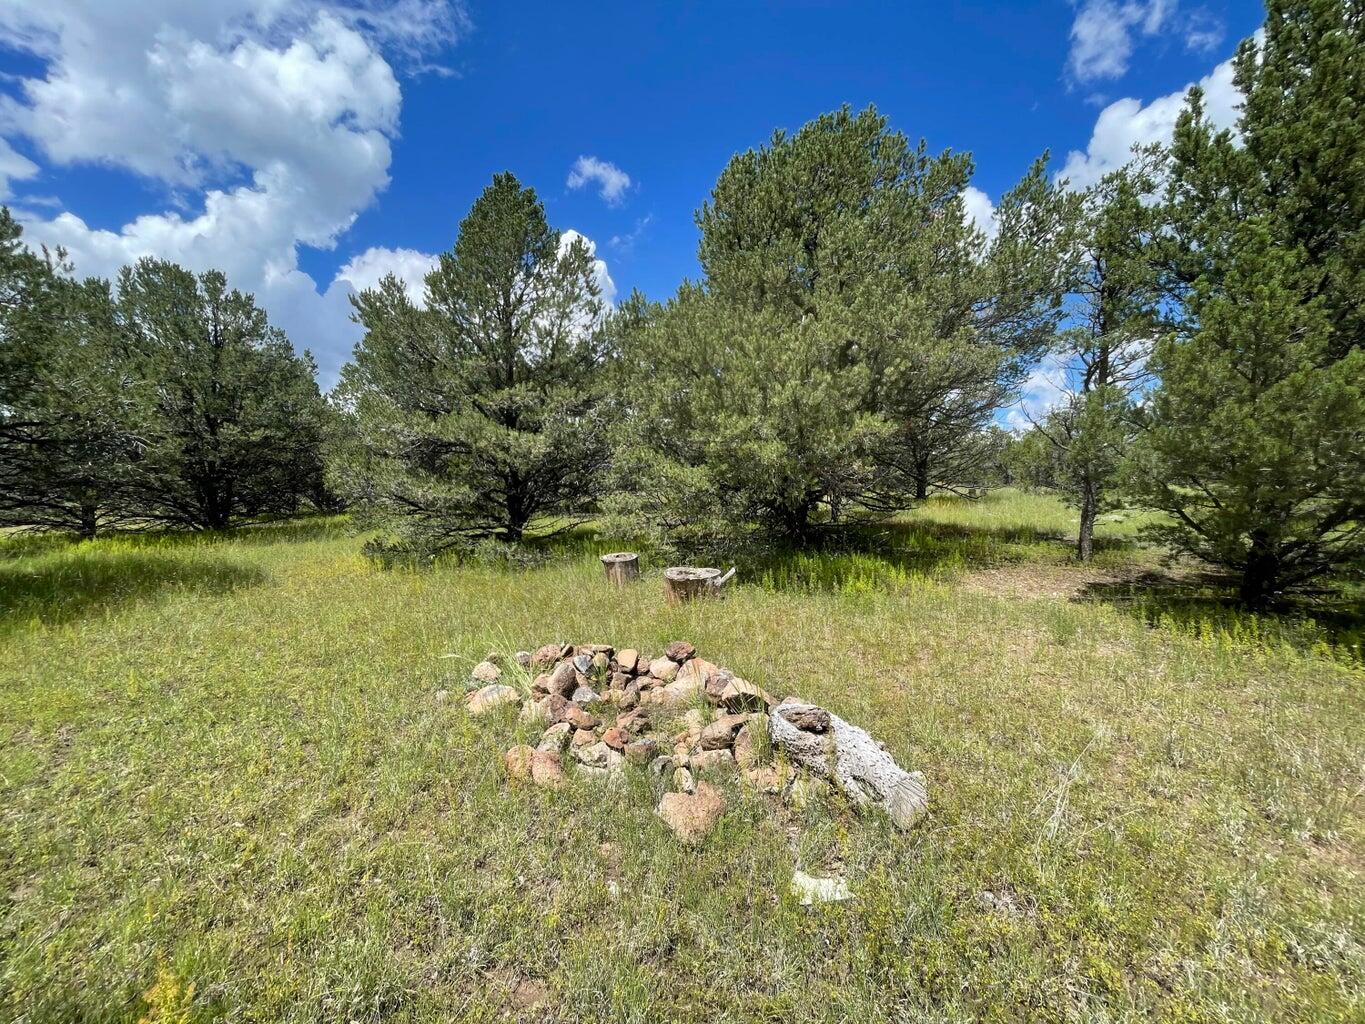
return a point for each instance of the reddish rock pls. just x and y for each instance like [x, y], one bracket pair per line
[615, 738]
[698, 672]
[547, 769]
[633, 722]
[517, 761]
[627, 660]
[563, 680]
[584, 737]
[742, 695]
[541, 683]
[692, 816]
[490, 698]
[720, 734]
[806, 717]
[620, 680]
[546, 656]
[679, 651]
[641, 752]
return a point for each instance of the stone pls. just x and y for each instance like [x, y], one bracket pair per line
[663, 669]
[720, 734]
[547, 769]
[707, 760]
[742, 695]
[810, 889]
[679, 651]
[585, 695]
[615, 738]
[522, 658]
[485, 672]
[662, 767]
[583, 738]
[541, 683]
[746, 747]
[582, 663]
[683, 780]
[546, 656]
[556, 738]
[765, 778]
[848, 757]
[628, 699]
[673, 697]
[698, 671]
[806, 717]
[620, 680]
[563, 680]
[633, 722]
[642, 751]
[599, 755]
[692, 816]
[693, 723]
[517, 761]
[600, 666]
[627, 660]
[558, 709]
[490, 698]
[601, 649]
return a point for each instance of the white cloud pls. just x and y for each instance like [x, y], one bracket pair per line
[371, 266]
[1128, 122]
[13, 165]
[1045, 389]
[980, 210]
[612, 181]
[270, 119]
[1102, 35]
[599, 267]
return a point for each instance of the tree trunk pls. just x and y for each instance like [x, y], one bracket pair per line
[1085, 538]
[622, 567]
[89, 521]
[921, 479]
[683, 583]
[1261, 574]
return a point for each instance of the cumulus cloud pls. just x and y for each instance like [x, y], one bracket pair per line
[13, 166]
[612, 182]
[599, 267]
[374, 264]
[1127, 123]
[980, 210]
[1102, 35]
[1045, 389]
[270, 119]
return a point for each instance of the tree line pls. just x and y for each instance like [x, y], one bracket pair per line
[848, 346]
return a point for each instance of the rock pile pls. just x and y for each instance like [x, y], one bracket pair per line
[680, 716]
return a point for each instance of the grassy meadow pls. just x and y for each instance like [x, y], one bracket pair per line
[230, 789]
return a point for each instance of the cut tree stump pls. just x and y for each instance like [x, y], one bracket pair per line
[684, 582]
[622, 567]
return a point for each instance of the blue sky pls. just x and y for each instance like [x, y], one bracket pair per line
[308, 146]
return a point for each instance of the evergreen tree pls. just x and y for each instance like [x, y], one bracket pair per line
[1255, 444]
[1113, 317]
[478, 412]
[231, 426]
[65, 441]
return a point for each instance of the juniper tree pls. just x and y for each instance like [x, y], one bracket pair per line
[477, 412]
[231, 428]
[1255, 444]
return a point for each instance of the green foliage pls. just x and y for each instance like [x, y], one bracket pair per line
[231, 424]
[851, 329]
[1256, 439]
[65, 436]
[479, 411]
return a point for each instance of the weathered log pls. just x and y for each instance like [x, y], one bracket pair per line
[850, 758]
[622, 567]
[684, 583]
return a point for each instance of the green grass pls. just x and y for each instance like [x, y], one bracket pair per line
[228, 791]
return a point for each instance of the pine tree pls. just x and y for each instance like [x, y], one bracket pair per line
[1255, 444]
[478, 412]
[231, 425]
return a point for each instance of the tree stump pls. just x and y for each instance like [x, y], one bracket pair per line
[622, 567]
[683, 583]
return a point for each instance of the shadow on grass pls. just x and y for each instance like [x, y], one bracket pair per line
[67, 585]
[1329, 621]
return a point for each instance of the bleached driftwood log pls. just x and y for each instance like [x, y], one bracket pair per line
[850, 758]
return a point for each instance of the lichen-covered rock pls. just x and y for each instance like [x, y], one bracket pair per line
[692, 816]
[599, 755]
[556, 738]
[849, 758]
[683, 781]
[642, 751]
[709, 760]
[490, 698]
[585, 695]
